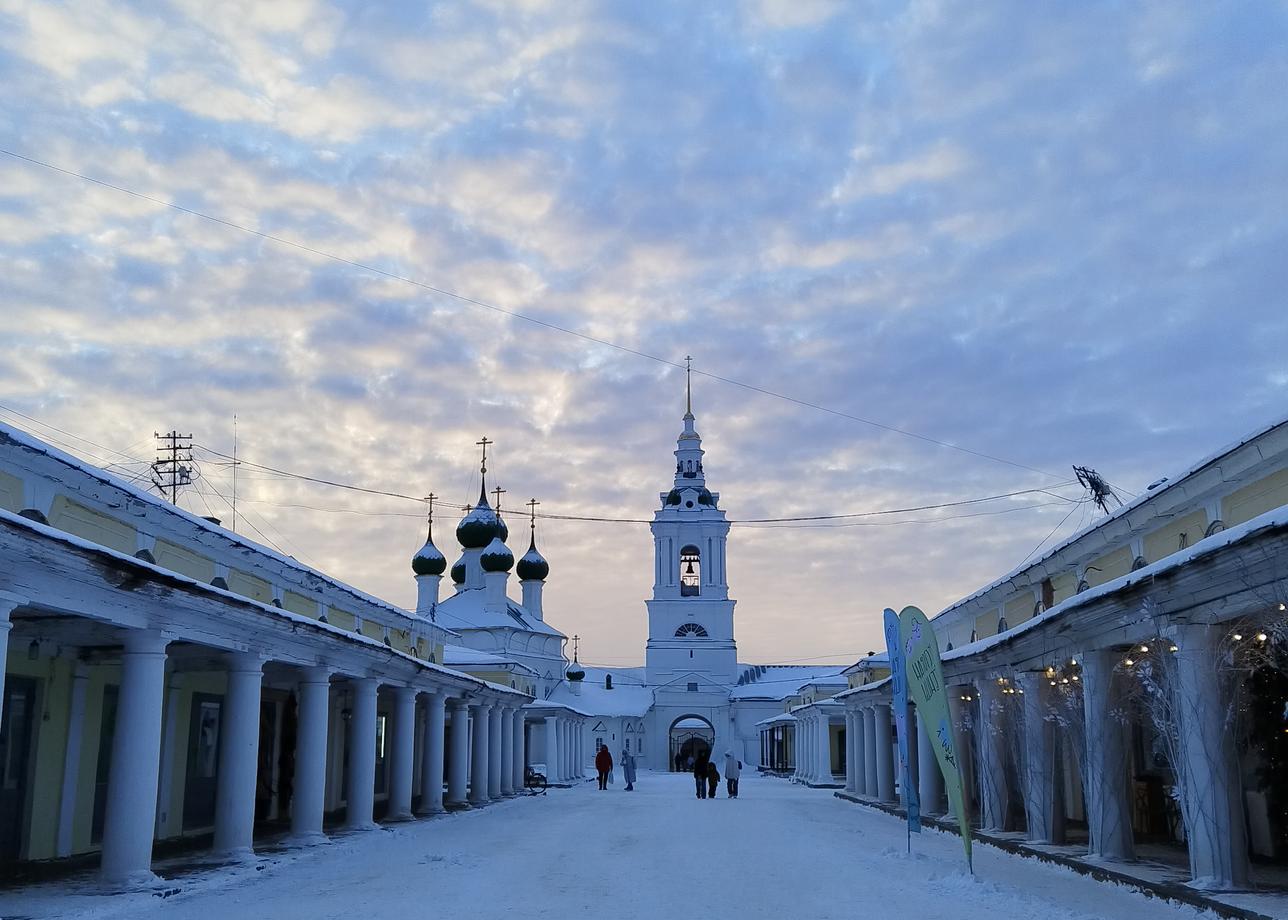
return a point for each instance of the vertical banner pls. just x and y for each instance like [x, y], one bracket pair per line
[899, 677]
[925, 683]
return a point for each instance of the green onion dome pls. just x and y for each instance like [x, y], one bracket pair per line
[458, 572]
[532, 565]
[501, 530]
[428, 560]
[496, 557]
[673, 497]
[575, 672]
[706, 498]
[478, 528]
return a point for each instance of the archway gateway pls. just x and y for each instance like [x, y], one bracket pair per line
[691, 737]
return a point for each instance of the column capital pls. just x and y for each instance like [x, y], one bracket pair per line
[320, 674]
[404, 693]
[8, 604]
[245, 662]
[145, 642]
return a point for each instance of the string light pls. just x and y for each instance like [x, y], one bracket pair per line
[1144, 648]
[1238, 637]
[1261, 637]
[1174, 648]
[1129, 662]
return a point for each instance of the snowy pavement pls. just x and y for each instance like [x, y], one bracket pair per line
[779, 852]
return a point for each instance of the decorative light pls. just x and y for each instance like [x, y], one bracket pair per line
[1237, 637]
[1261, 637]
[1052, 683]
[1129, 662]
[1074, 677]
[1064, 680]
[1144, 648]
[1283, 606]
[1073, 662]
[1174, 648]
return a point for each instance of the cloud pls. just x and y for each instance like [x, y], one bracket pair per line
[1047, 236]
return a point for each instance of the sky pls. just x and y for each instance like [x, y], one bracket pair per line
[1047, 233]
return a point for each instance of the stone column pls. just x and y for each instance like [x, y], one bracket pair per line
[959, 713]
[72, 758]
[8, 604]
[991, 739]
[507, 751]
[402, 752]
[494, 753]
[1108, 790]
[308, 800]
[520, 760]
[885, 753]
[1210, 785]
[478, 753]
[552, 748]
[238, 757]
[460, 753]
[851, 784]
[431, 758]
[824, 749]
[860, 754]
[870, 751]
[361, 793]
[136, 753]
[930, 781]
[1039, 758]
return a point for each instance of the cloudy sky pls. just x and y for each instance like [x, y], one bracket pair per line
[1048, 233]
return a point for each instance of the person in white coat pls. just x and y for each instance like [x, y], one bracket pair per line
[732, 770]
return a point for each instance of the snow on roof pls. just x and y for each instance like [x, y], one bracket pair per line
[1277, 518]
[35, 444]
[458, 656]
[778, 719]
[777, 681]
[468, 610]
[72, 540]
[1162, 486]
[622, 700]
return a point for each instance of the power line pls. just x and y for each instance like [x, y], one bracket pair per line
[514, 314]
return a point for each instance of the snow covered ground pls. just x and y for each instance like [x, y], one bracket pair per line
[779, 851]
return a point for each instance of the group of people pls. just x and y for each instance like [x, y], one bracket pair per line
[604, 767]
[706, 775]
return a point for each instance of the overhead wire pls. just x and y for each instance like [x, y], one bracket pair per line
[514, 314]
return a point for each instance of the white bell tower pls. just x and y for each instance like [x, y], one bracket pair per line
[690, 616]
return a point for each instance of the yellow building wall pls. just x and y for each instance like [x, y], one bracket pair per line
[373, 630]
[1167, 539]
[1063, 587]
[1255, 498]
[184, 561]
[298, 603]
[341, 619]
[986, 624]
[100, 677]
[212, 682]
[10, 493]
[91, 525]
[1110, 566]
[257, 589]
[53, 699]
[1019, 609]
[401, 639]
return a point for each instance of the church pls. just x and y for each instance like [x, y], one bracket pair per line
[692, 694]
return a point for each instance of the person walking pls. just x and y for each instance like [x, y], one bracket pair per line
[628, 770]
[733, 770]
[603, 764]
[700, 775]
[713, 779]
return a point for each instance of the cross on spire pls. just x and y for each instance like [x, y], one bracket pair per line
[483, 470]
[532, 524]
[576, 644]
[498, 492]
[429, 500]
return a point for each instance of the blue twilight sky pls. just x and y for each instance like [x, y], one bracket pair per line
[1050, 232]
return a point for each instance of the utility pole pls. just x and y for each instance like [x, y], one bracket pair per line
[173, 466]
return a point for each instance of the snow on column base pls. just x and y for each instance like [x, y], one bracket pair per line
[135, 881]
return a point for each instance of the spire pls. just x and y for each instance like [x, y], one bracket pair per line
[688, 386]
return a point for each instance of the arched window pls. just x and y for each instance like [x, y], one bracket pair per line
[690, 571]
[690, 630]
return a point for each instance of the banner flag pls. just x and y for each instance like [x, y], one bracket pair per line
[925, 683]
[899, 678]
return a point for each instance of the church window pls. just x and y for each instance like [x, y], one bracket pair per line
[691, 629]
[690, 571]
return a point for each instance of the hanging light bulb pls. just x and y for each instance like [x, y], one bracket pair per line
[1237, 637]
[1144, 648]
[1261, 637]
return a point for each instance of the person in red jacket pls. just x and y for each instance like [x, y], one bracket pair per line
[603, 764]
